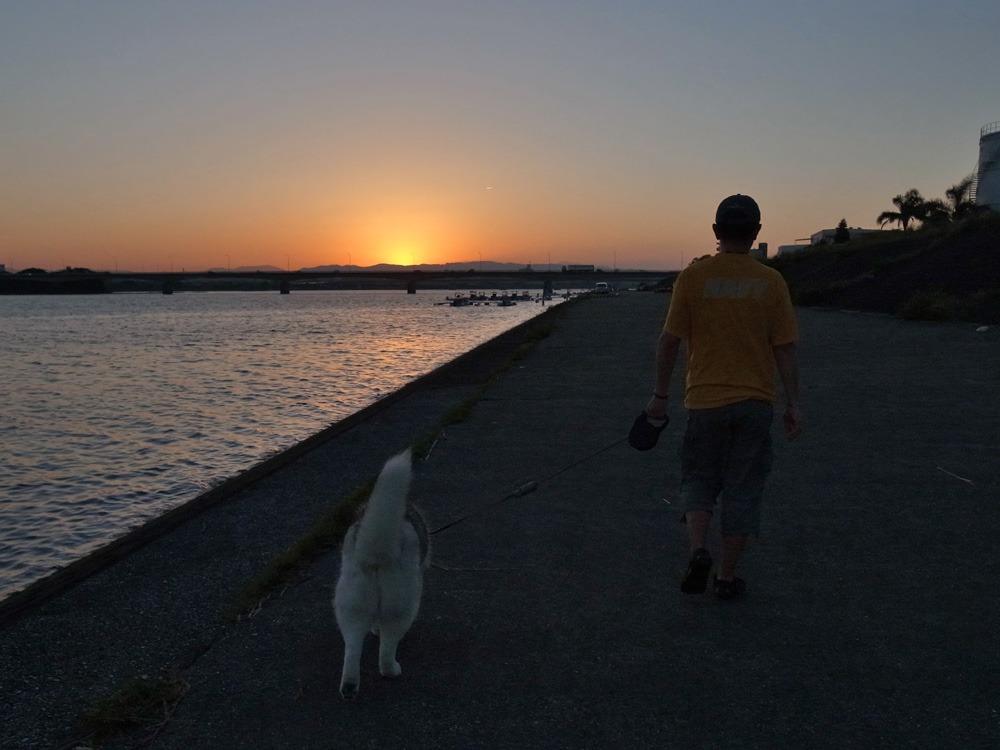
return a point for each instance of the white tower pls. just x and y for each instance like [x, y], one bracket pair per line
[988, 171]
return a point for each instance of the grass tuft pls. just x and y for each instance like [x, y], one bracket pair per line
[928, 304]
[142, 702]
[462, 412]
[326, 534]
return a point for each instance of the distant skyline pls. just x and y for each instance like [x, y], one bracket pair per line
[150, 136]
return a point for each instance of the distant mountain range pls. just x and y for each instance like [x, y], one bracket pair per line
[472, 265]
[486, 265]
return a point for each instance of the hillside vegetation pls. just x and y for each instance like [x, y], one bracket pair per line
[950, 273]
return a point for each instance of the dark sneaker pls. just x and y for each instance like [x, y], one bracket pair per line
[729, 589]
[696, 578]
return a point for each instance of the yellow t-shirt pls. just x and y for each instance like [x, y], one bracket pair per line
[730, 310]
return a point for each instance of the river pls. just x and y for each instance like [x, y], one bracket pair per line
[119, 407]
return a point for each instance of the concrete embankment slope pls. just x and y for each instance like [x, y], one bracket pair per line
[554, 619]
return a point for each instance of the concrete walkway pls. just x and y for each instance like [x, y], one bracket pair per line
[554, 619]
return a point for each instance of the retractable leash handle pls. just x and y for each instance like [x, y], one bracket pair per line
[645, 432]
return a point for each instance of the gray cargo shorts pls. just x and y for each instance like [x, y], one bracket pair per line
[725, 458]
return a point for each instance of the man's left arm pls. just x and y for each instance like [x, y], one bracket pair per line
[787, 361]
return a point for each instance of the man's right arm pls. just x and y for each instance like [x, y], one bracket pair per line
[666, 356]
[786, 359]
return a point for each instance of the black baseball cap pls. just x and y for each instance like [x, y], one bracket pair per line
[738, 210]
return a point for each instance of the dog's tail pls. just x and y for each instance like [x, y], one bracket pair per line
[379, 540]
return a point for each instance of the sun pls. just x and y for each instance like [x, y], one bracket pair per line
[403, 253]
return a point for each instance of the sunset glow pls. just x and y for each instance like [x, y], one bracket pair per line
[349, 133]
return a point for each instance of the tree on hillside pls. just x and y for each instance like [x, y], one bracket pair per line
[959, 204]
[911, 207]
[935, 213]
[842, 234]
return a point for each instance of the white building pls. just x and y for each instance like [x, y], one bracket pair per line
[987, 183]
[824, 236]
[828, 234]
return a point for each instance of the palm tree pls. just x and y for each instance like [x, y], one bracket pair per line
[959, 205]
[911, 205]
[935, 213]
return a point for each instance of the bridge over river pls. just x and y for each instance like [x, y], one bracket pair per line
[86, 282]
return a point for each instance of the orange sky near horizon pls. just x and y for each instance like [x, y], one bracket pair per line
[403, 234]
[310, 214]
[183, 136]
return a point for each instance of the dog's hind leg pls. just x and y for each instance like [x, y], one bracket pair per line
[354, 639]
[389, 637]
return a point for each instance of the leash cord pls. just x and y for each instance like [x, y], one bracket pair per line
[524, 489]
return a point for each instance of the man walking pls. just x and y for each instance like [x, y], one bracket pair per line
[736, 316]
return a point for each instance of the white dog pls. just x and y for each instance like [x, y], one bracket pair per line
[381, 573]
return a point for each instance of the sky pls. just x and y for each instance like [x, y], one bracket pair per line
[191, 135]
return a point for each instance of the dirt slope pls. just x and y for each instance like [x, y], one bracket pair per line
[945, 274]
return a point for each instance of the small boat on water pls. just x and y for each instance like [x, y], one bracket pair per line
[456, 301]
[503, 299]
[477, 299]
